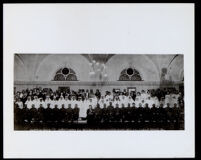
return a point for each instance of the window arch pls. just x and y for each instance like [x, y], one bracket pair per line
[65, 74]
[130, 74]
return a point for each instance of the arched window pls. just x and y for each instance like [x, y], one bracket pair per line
[130, 74]
[65, 74]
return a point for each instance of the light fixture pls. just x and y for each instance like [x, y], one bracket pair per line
[98, 72]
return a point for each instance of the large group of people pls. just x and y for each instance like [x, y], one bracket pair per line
[154, 106]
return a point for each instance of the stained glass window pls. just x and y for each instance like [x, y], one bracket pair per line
[65, 74]
[130, 74]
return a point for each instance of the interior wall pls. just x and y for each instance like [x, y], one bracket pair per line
[48, 67]
[175, 67]
[20, 70]
[109, 86]
[147, 69]
[42, 68]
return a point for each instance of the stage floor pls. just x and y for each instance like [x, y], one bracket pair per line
[83, 125]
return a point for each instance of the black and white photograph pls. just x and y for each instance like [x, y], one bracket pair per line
[98, 92]
[98, 80]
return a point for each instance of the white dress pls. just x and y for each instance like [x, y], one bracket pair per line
[20, 104]
[29, 104]
[83, 109]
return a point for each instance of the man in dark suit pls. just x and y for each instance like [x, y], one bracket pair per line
[69, 113]
[123, 112]
[117, 113]
[140, 115]
[48, 114]
[146, 116]
[97, 114]
[110, 110]
[128, 113]
[105, 114]
[153, 119]
[40, 115]
[55, 112]
[133, 112]
[76, 113]
[33, 113]
[26, 114]
[90, 115]
[176, 115]
[162, 115]
[63, 113]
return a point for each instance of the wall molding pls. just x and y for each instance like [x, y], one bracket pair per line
[98, 83]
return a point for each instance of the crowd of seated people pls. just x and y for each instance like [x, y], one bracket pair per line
[155, 106]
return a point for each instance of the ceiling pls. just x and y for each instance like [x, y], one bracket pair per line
[103, 58]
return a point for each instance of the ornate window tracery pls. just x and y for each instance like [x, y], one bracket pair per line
[65, 74]
[130, 74]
